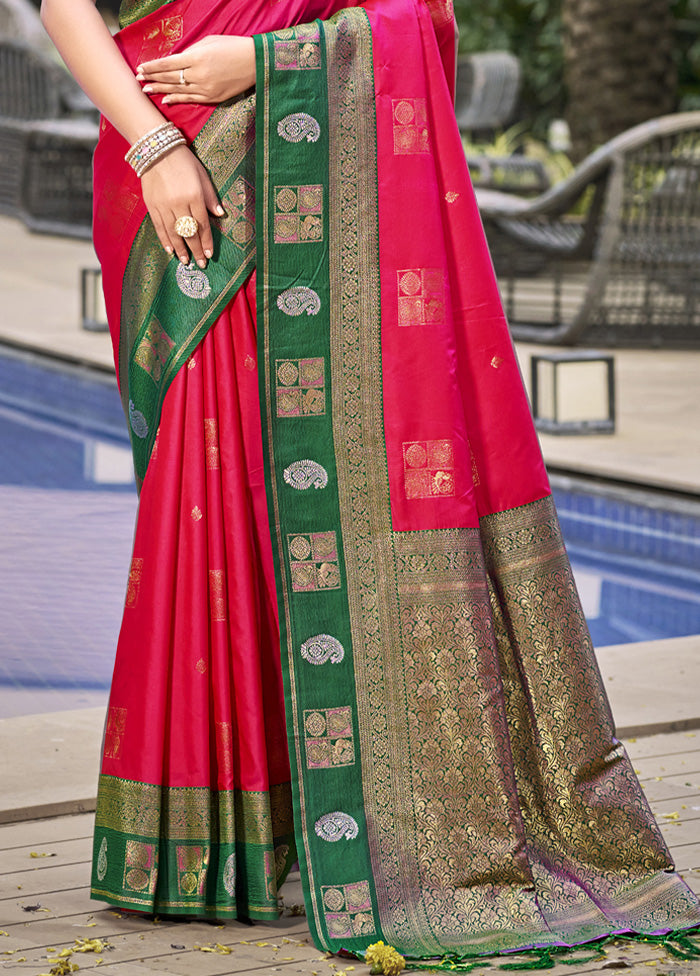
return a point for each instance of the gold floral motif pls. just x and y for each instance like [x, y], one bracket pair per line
[428, 469]
[160, 37]
[211, 443]
[330, 738]
[217, 595]
[297, 48]
[348, 910]
[196, 514]
[201, 666]
[301, 387]
[298, 214]
[114, 731]
[154, 349]
[134, 584]
[192, 864]
[421, 296]
[582, 804]
[192, 813]
[140, 866]
[224, 751]
[410, 126]
[313, 561]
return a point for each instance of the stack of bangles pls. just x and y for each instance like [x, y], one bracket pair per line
[151, 147]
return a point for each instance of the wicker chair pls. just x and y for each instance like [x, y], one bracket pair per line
[48, 132]
[488, 86]
[610, 255]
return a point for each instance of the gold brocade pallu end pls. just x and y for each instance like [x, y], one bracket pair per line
[191, 851]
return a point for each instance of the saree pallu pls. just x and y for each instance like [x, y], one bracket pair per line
[456, 783]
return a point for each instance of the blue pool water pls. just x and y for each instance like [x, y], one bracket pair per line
[67, 509]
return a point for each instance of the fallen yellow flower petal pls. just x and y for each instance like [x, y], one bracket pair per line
[90, 945]
[2, 932]
[40, 854]
[65, 953]
[90, 925]
[21, 959]
[261, 945]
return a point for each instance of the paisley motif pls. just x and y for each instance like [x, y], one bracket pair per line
[192, 281]
[299, 299]
[137, 421]
[305, 474]
[229, 875]
[298, 126]
[322, 648]
[336, 826]
[102, 860]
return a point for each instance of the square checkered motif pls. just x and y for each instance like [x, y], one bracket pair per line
[329, 739]
[140, 866]
[428, 468]
[298, 214]
[313, 560]
[192, 864]
[297, 48]
[348, 910]
[410, 121]
[421, 296]
[301, 390]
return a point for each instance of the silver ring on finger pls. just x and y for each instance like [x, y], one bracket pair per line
[183, 80]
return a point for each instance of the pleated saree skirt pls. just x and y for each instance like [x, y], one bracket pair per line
[194, 809]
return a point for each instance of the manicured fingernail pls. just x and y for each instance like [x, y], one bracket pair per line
[208, 254]
[167, 100]
[168, 250]
[185, 259]
[202, 263]
[219, 211]
[148, 89]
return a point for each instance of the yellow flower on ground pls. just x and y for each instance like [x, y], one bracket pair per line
[384, 959]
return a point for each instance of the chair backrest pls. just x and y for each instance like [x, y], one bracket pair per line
[30, 86]
[488, 86]
[19, 20]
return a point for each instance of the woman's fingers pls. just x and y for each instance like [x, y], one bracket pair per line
[171, 63]
[162, 232]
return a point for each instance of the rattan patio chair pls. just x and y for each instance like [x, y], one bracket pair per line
[19, 20]
[48, 131]
[488, 86]
[612, 254]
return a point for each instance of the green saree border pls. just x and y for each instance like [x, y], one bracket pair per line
[295, 202]
[192, 850]
[167, 308]
[132, 10]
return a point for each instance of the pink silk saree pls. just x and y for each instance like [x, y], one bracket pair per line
[346, 534]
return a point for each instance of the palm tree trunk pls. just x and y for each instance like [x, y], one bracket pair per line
[619, 67]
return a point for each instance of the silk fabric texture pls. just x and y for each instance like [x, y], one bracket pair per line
[456, 782]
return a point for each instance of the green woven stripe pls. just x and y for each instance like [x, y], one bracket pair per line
[313, 693]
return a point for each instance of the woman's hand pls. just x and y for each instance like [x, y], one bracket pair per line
[208, 72]
[179, 186]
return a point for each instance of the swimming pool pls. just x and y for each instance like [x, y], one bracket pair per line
[67, 509]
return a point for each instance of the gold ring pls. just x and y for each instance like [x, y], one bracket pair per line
[186, 226]
[182, 76]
